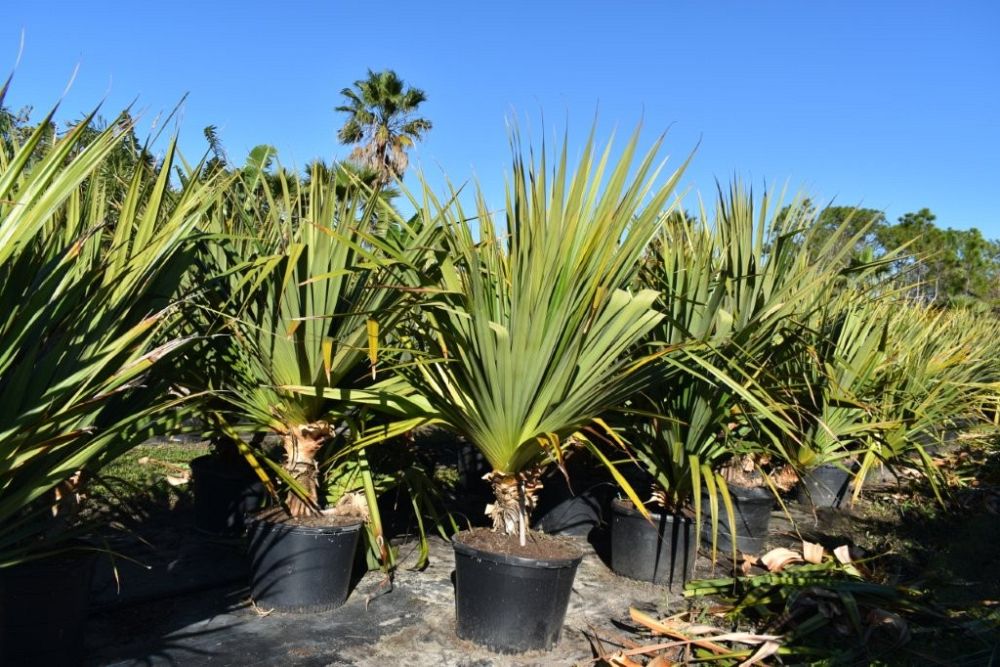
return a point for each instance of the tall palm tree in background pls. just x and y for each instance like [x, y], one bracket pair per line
[381, 123]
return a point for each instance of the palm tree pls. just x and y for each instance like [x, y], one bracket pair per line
[529, 331]
[381, 122]
[738, 290]
[310, 298]
[90, 316]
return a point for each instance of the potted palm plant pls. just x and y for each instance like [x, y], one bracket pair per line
[89, 322]
[931, 385]
[794, 266]
[306, 318]
[838, 370]
[225, 487]
[734, 293]
[529, 338]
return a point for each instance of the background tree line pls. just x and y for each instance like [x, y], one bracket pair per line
[930, 264]
[933, 265]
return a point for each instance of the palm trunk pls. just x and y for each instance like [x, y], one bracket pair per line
[516, 496]
[301, 444]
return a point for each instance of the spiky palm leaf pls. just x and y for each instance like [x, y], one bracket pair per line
[532, 330]
[87, 296]
[312, 297]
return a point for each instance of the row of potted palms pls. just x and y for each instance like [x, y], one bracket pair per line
[823, 370]
[686, 354]
[744, 352]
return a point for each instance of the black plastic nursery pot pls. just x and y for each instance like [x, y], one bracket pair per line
[43, 608]
[510, 604]
[824, 486]
[574, 515]
[301, 568]
[224, 494]
[882, 473]
[752, 511]
[578, 509]
[660, 550]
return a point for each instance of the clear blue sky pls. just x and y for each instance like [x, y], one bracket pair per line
[894, 105]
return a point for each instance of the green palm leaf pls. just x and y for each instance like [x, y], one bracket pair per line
[531, 333]
[89, 314]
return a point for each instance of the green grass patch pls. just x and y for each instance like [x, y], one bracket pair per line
[147, 479]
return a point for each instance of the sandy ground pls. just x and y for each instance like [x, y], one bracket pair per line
[414, 624]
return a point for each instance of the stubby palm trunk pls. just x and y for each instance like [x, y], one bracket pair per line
[516, 496]
[659, 498]
[746, 470]
[302, 443]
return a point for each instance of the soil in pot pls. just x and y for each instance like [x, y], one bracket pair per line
[752, 511]
[43, 608]
[824, 486]
[661, 551]
[510, 598]
[224, 494]
[302, 565]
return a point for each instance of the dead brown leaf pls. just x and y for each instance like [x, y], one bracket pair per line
[776, 560]
[766, 650]
[179, 480]
[843, 554]
[812, 553]
[660, 661]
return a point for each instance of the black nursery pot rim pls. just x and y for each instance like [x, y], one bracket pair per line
[517, 561]
[843, 466]
[307, 530]
[747, 492]
[627, 507]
